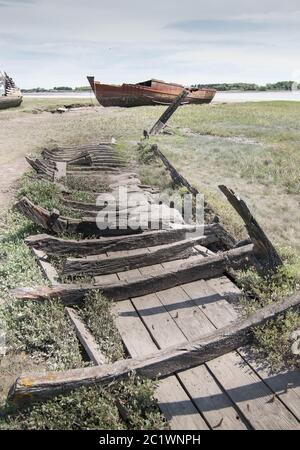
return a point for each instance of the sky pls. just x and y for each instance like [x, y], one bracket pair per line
[58, 42]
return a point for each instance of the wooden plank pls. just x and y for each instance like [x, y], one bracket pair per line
[160, 124]
[85, 226]
[214, 404]
[48, 269]
[285, 384]
[162, 363]
[220, 313]
[194, 268]
[173, 401]
[211, 400]
[58, 246]
[253, 397]
[99, 264]
[86, 338]
[177, 179]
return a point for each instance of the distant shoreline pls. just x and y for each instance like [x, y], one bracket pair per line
[221, 96]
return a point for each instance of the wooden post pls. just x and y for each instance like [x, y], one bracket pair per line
[40, 386]
[159, 125]
[178, 179]
[267, 256]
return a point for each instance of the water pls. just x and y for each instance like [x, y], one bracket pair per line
[226, 97]
[67, 94]
[256, 96]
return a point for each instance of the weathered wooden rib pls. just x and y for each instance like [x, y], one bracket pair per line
[58, 224]
[177, 179]
[267, 256]
[78, 170]
[161, 123]
[102, 264]
[35, 386]
[98, 206]
[42, 167]
[58, 246]
[196, 268]
[81, 160]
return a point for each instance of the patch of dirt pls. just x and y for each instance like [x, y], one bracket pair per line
[235, 139]
[11, 367]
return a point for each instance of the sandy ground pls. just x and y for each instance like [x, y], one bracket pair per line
[23, 133]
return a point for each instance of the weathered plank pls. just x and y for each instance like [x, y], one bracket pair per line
[172, 399]
[194, 269]
[85, 226]
[254, 399]
[162, 363]
[48, 269]
[264, 249]
[177, 179]
[161, 123]
[58, 246]
[100, 264]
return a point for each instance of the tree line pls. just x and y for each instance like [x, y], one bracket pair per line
[279, 86]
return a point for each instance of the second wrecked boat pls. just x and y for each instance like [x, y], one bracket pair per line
[10, 95]
[149, 92]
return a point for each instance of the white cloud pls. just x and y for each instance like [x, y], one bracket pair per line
[59, 42]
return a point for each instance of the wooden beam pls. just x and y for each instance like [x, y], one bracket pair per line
[58, 246]
[267, 256]
[160, 124]
[86, 338]
[195, 269]
[86, 226]
[102, 264]
[177, 179]
[36, 386]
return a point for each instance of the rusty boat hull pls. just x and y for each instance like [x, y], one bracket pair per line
[150, 92]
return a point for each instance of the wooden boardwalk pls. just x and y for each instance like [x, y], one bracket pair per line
[230, 392]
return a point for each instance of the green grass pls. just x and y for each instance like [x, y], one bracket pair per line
[96, 314]
[94, 408]
[48, 195]
[44, 334]
[272, 344]
[30, 105]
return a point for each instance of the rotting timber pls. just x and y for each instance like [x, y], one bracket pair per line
[176, 314]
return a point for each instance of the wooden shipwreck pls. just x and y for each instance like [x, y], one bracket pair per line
[10, 95]
[151, 92]
[173, 303]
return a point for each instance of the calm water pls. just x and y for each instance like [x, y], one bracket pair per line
[256, 96]
[220, 96]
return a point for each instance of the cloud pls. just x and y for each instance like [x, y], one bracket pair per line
[15, 3]
[59, 42]
[235, 25]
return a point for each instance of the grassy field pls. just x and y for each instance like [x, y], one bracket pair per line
[252, 148]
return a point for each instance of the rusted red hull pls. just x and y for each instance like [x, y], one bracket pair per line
[148, 93]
